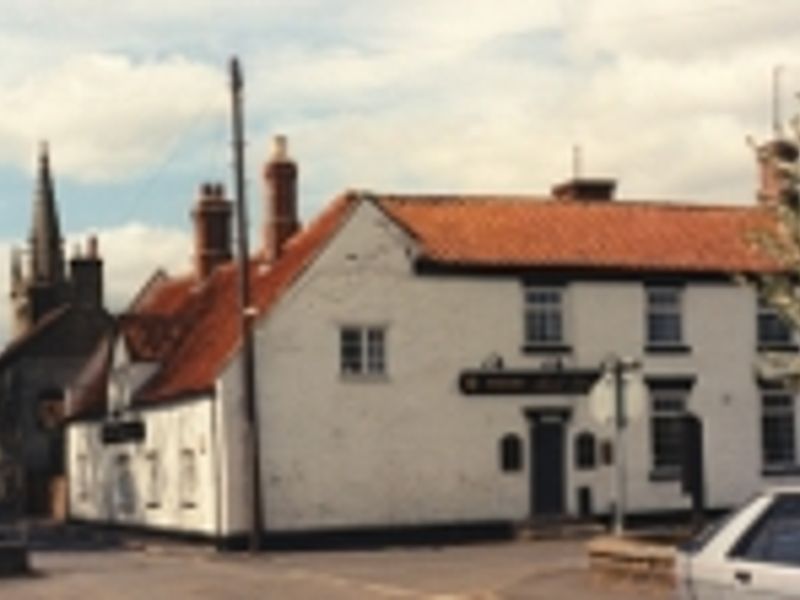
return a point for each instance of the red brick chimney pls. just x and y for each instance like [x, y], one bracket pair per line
[212, 229]
[86, 275]
[280, 175]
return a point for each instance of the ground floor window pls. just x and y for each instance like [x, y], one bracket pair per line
[188, 478]
[82, 467]
[778, 443]
[125, 489]
[585, 451]
[153, 479]
[667, 410]
[511, 453]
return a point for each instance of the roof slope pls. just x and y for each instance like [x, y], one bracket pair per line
[619, 235]
[213, 331]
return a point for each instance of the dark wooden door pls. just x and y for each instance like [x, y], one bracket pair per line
[547, 466]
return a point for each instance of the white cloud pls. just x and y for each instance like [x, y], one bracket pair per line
[426, 94]
[109, 117]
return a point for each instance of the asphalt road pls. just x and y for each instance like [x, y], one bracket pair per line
[513, 570]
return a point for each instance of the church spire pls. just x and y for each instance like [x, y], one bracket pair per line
[46, 251]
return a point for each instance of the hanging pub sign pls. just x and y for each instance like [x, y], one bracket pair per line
[119, 432]
[529, 383]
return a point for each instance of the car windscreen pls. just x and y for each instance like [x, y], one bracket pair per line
[701, 540]
[775, 536]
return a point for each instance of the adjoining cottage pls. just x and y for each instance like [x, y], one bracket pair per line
[58, 318]
[431, 360]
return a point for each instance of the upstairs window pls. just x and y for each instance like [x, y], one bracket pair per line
[773, 330]
[544, 316]
[664, 319]
[778, 434]
[362, 351]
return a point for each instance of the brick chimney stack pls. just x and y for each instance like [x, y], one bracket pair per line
[86, 271]
[280, 175]
[586, 189]
[212, 229]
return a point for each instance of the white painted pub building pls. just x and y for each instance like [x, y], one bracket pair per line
[430, 360]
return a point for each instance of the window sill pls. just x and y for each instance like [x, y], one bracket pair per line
[547, 349]
[667, 349]
[777, 347]
[188, 505]
[780, 471]
[665, 475]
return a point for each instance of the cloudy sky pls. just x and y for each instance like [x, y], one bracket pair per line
[420, 95]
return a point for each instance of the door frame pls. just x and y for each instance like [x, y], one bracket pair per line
[535, 416]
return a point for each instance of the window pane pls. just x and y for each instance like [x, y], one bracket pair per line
[663, 316]
[668, 407]
[511, 453]
[778, 430]
[350, 351]
[362, 350]
[772, 328]
[376, 362]
[664, 298]
[543, 316]
[778, 440]
[585, 451]
[154, 479]
[188, 482]
[126, 496]
[664, 328]
[667, 441]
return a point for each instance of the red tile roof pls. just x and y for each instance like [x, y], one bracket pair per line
[159, 316]
[214, 332]
[618, 235]
[192, 328]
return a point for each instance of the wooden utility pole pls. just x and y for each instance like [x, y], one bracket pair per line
[246, 313]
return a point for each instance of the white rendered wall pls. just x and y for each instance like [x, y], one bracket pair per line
[170, 430]
[411, 449]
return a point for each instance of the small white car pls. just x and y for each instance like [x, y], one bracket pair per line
[754, 552]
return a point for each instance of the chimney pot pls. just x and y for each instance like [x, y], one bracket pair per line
[280, 148]
[92, 247]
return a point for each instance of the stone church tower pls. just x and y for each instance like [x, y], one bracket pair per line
[42, 286]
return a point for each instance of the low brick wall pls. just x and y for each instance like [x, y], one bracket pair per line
[637, 559]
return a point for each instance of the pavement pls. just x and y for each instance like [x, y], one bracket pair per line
[517, 570]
